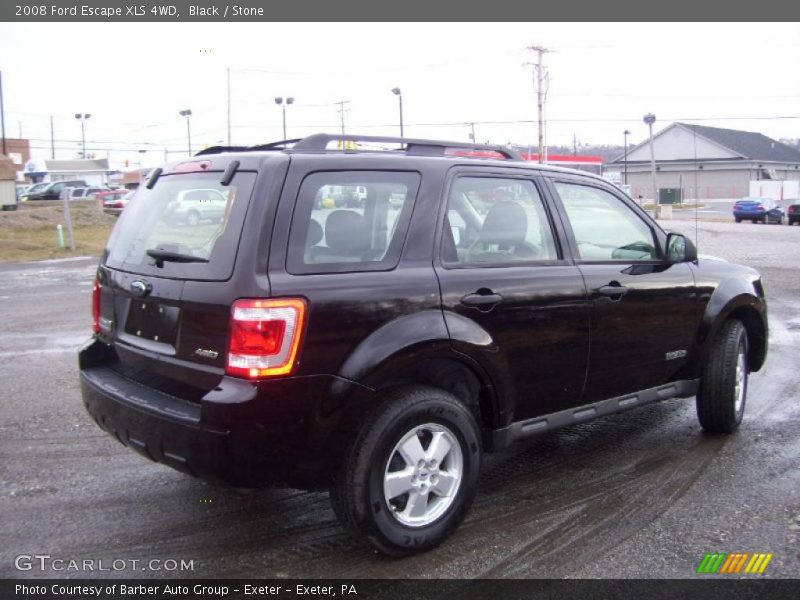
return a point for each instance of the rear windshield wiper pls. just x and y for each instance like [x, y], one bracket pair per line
[166, 255]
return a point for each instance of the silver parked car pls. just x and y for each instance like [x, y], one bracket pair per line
[193, 206]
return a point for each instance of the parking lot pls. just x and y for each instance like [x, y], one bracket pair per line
[640, 494]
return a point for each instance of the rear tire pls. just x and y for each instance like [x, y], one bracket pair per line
[193, 218]
[410, 475]
[723, 390]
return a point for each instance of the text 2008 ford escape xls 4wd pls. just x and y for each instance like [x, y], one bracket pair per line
[379, 342]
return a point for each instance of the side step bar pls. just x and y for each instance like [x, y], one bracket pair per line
[503, 438]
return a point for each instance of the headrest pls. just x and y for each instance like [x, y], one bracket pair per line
[505, 224]
[346, 231]
[314, 233]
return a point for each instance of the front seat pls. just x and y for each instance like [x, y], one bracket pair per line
[502, 236]
[346, 237]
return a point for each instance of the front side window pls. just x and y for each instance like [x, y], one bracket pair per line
[493, 220]
[350, 221]
[604, 227]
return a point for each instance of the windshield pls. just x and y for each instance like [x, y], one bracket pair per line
[191, 216]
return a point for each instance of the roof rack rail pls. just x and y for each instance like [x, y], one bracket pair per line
[318, 142]
[281, 145]
[418, 147]
[221, 149]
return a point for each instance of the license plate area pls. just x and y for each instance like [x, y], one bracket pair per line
[152, 322]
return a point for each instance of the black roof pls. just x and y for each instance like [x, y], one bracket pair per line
[755, 146]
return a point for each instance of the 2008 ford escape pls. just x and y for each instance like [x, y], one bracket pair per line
[374, 321]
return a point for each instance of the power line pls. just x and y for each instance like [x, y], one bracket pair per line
[523, 121]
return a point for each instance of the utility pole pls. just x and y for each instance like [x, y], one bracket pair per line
[2, 115]
[625, 135]
[52, 140]
[229, 105]
[342, 110]
[472, 135]
[541, 77]
[574, 145]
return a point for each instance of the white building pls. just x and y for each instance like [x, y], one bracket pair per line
[94, 172]
[706, 162]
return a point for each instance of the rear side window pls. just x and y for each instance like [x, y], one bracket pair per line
[192, 216]
[351, 221]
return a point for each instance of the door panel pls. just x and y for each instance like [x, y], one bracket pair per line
[631, 335]
[643, 312]
[539, 332]
[502, 272]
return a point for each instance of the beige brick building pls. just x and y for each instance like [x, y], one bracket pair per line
[706, 162]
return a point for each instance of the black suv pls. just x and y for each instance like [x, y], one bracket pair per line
[467, 301]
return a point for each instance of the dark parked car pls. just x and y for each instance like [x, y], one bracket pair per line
[52, 191]
[757, 210]
[380, 351]
[793, 212]
[35, 188]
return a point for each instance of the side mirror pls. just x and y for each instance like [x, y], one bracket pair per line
[680, 249]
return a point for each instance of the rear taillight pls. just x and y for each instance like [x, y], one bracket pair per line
[96, 306]
[265, 336]
[759, 207]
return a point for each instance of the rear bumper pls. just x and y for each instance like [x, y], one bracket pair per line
[241, 433]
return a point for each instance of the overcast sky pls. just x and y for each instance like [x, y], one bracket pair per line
[134, 78]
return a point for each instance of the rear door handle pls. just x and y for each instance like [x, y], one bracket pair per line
[614, 290]
[482, 301]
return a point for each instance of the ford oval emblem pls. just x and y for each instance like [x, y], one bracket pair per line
[140, 288]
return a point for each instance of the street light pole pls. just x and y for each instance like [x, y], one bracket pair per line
[187, 113]
[82, 118]
[2, 115]
[625, 134]
[649, 119]
[399, 94]
[279, 101]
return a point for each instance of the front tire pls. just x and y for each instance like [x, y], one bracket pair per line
[410, 475]
[723, 389]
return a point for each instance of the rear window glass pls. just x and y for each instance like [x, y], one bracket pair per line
[191, 219]
[351, 221]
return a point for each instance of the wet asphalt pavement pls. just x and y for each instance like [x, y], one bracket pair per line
[641, 494]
